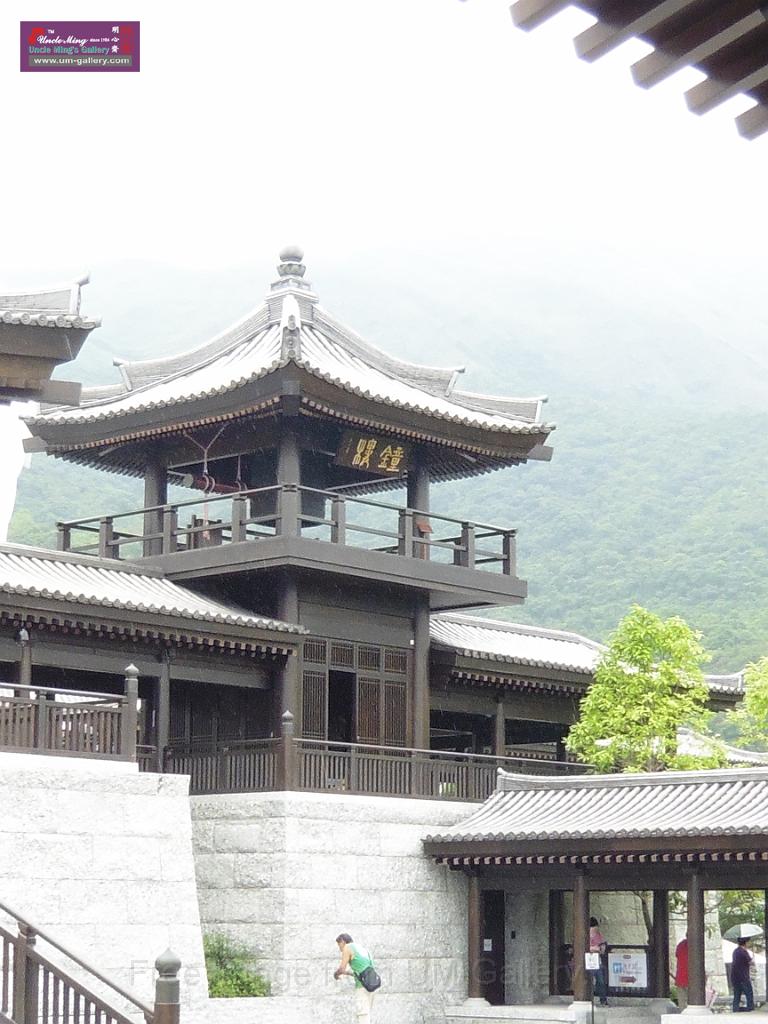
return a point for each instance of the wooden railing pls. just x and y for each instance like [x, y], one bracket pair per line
[35, 990]
[78, 723]
[325, 766]
[290, 510]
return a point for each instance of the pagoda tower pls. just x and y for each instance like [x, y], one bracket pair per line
[287, 432]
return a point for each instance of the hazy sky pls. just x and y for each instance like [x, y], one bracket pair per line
[349, 125]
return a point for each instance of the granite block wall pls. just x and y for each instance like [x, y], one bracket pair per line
[285, 873]
[101, 857]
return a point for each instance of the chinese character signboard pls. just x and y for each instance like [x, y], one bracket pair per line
[79, 46]
[372, 454]
[628, 969]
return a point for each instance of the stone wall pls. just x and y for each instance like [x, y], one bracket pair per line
[285, 873]
[101, 857]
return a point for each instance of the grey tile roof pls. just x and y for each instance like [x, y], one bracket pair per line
[474, 636]
[494, 640]
[525, 809]
[253, 348]
[52, 307]
[82, 579]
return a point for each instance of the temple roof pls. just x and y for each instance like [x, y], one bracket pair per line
[510, 643]
[494, 640]
[290, 329]
[529, 809]
[70, 579]
[40, 330]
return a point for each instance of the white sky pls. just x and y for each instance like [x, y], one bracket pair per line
[348, 125]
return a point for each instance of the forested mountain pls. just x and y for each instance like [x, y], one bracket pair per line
[659, 482]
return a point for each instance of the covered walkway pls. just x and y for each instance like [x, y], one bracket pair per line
[654, 833]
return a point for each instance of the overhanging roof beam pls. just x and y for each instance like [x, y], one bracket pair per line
[697, 42]
[528, 14]
[731, 80]
[754, 122]
[599, 39]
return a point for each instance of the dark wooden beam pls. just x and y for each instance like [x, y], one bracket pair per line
[580, 937]
[728, 77]
[605, 36]
[528, 14]
[696, 943]
[698, 40]
[474, 937]
[660, 943]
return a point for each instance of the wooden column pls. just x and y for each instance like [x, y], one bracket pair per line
[24, 664]
[287, 682]
[163, 710]
[556, 940]
[500, 729]
[129, 723]
[696, 935]
[155, 493]
[581, 990]
[660, 940]
[474, 938]
[289, 475]
[417, 497]
[420, 709]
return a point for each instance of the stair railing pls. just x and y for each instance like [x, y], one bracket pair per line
[34, 990]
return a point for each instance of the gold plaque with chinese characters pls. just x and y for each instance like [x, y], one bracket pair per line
[373, 454]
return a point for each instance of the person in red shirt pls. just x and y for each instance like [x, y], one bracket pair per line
[681, 973]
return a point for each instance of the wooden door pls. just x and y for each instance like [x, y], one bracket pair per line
[491, 964]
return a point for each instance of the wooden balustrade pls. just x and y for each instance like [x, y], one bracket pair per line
[325, 766]
[345, 520]
[36, 990]
[79, 723]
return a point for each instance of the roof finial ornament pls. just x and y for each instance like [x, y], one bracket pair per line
[290, 262]
[290, 329]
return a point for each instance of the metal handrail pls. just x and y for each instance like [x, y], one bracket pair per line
[113, 698]
[132, 998]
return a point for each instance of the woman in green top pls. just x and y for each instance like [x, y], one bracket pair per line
[354, 959]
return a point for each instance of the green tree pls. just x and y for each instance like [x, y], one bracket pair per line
[751, 717]
[648, 683]
[229, 968]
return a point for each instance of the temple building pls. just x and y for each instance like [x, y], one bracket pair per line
[277, 624]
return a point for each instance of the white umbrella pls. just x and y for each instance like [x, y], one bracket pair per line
[743, 931]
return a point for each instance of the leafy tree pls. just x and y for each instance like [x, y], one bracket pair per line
[229, 969]
[751, 718]
[647, 684]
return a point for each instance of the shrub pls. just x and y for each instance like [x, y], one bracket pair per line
[230, 973]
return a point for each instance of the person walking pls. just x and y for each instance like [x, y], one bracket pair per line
[354, 960]
[681, 973]
[741, 966]
[597, 944]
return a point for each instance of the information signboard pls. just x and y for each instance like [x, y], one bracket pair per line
[628, 969]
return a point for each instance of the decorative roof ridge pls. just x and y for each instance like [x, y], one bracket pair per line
[388, 363]
[518, 627]
[511, 782]
[93, 561]
[72, 287]
[209, 350]
[53, 306]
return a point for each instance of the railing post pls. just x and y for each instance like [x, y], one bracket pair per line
[106, 537]
[167, 989]
[339, 520]
[130, 715]
[288, 761]
[288, 510]
[170, 529]
[63, 537]
[509, 565]
[405, 531]
[467, 554]
[238, 519]
[41, 722]
[25, 978]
